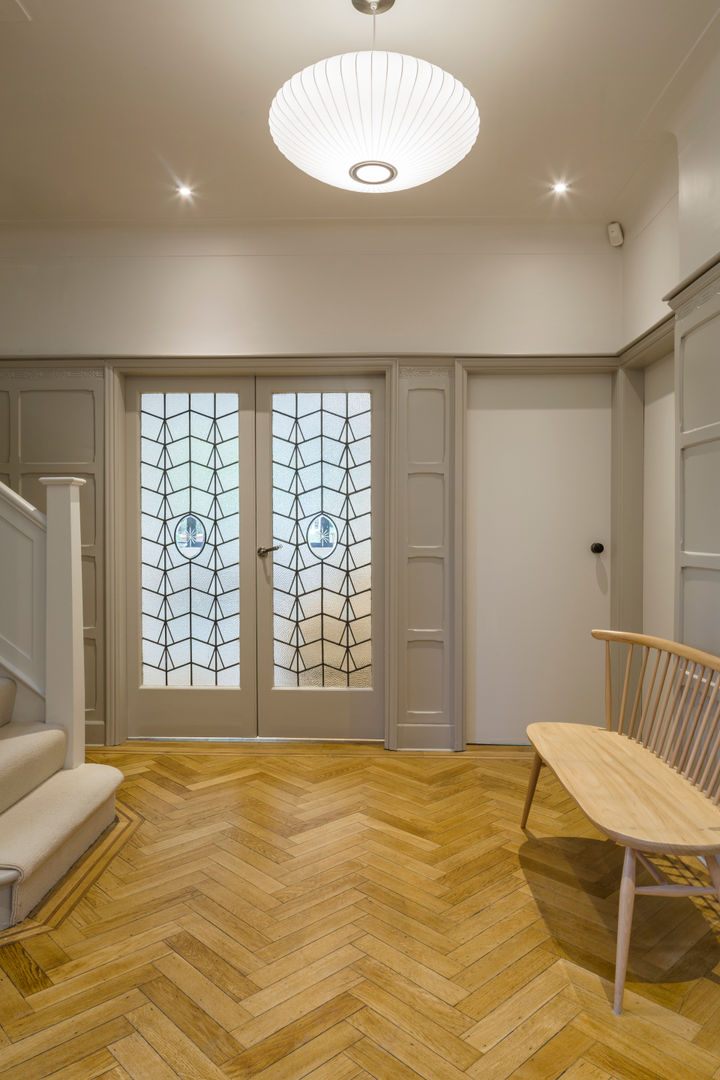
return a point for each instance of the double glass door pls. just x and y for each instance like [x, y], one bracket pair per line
[255, 557]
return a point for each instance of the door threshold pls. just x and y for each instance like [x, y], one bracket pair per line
[249, 739]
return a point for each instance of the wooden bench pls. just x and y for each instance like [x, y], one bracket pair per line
[650, 780]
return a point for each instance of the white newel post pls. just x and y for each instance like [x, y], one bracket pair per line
[65, 669]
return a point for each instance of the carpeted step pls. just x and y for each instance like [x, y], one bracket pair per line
[29, 754]
[43, 834]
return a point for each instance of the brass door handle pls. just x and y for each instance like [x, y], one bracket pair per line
[264, 551]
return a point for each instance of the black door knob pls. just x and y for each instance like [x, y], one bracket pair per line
[597, 548]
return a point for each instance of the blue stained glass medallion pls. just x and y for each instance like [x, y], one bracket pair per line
[322, 536]
[190, 536]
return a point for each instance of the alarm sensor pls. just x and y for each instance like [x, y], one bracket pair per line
[616, 235]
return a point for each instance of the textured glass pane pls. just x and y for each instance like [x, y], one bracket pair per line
[283, 677]
[189, 533]
[311, 677]
[321, 516]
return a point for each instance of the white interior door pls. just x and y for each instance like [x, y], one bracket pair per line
[190, 558]
[538, 495]
[320, 503]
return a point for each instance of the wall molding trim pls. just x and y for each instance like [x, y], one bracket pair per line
[697, 278]
[642, 351]
[407, 371]
[541, 365]
[27, 374]
[650, 346]
[697, 292]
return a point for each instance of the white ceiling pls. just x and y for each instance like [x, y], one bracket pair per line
[106, 102]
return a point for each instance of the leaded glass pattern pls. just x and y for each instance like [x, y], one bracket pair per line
[189, 504]
[321, 497]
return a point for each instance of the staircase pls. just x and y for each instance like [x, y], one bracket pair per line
[48, 815]
[52, 805]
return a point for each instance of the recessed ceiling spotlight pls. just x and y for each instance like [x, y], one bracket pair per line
[560, 187]
[184, 191]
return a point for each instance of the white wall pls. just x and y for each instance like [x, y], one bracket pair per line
[659, 500]
[648, 210]
[310, 289]
[697, 129]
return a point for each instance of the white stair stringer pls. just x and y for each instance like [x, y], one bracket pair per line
[44, 833]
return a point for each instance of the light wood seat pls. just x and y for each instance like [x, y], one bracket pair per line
[616, 781]
[651, 779]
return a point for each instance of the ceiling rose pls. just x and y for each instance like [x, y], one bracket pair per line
[374, 121]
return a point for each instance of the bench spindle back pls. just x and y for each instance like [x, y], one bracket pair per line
[670, 702]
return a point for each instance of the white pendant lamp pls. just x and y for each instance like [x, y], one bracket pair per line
[374, 121]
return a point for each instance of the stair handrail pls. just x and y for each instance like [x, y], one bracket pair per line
[12, 671]
[11, 498]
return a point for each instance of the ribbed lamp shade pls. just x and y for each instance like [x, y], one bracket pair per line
[374, 121]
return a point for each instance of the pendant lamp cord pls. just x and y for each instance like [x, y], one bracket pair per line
[373, 43]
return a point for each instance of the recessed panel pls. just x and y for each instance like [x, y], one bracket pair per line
[426, 510]
[89, 592]
[57, 425]
[701, 465]
[4, 426]
[425, 678]
[35, 493]
[426, 427]
[701, 376]
[701, 605]
[426, 594]
[90, 674]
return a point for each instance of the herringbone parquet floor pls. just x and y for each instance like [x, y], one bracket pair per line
[341, 913]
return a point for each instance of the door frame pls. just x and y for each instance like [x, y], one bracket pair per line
[626, 473]
[118, 372]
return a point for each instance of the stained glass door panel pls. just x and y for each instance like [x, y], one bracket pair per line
[320, 508]
[191, 562]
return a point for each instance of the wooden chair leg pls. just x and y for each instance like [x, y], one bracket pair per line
[532, 784]
[625, 913]
[713, 864]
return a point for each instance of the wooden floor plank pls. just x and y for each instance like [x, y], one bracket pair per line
[288, 1038]
[139, 1059]
[431, 1034]
[309, 912]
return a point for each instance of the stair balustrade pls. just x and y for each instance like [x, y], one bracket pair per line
[41, 622]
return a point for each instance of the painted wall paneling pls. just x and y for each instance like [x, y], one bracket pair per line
[55, 428]
[427, 559]
[626, 545]
[659, 499]
[697, 395]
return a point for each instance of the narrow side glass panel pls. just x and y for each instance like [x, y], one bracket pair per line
[322, 520]
[189, 504]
